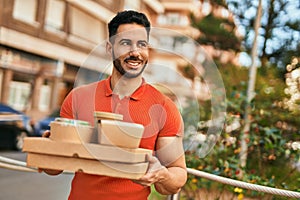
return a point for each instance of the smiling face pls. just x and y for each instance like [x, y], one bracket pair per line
[130, 50]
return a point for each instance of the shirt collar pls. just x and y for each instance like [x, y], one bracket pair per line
[138, 93]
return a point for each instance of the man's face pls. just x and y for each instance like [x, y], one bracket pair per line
[130, 50]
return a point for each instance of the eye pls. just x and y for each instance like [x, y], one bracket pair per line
[142, 44]
[125, 43]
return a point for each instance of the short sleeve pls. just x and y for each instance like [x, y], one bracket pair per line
[171, 120]
[66, 110]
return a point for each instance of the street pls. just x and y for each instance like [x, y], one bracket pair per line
[19, 185]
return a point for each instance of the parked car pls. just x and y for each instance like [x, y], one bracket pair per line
[14, 127]
[44, 124]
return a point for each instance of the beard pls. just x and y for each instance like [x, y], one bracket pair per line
[118, 66]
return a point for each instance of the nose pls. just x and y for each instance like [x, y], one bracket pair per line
[134, 50]
[133, 47]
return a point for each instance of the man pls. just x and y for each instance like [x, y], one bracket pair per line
[126, 92]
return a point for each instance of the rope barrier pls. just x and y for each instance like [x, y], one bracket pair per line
[21, 166]
[244, 185]
[12, 161]
[15, 167]
[9, 163]
[13, 164]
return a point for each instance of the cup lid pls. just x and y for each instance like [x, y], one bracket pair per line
[107, 115]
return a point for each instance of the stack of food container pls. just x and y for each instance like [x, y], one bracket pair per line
[110, 147]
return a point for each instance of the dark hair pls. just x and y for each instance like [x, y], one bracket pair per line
[128, 17]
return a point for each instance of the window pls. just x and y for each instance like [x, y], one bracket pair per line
[132, 4]
[44, 101]
[55, 12]
[1, 79]
[86, 27]
[173, 19]
[163, 71]
[166, 42]
[19, 94]
[25, 10]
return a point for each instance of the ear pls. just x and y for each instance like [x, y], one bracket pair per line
[109, 48]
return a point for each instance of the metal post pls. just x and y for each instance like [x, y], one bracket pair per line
[174, 196]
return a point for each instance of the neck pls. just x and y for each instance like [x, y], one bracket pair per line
[124, 86]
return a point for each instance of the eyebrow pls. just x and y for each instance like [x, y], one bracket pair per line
[126, 40]
[129, 40]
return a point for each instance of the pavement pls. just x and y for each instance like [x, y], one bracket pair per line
[19, 185]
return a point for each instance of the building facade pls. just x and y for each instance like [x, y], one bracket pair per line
[44, 43]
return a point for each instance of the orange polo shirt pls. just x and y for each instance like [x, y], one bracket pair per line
[146, 106]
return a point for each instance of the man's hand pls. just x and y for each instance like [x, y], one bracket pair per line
[167, 169]
[52, 172]
[155, 173]
[46, 134]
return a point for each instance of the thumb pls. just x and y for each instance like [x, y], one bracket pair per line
[154, 163]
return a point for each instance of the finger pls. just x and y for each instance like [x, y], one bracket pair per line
[150, 158]
[46, 134]
[143, 183]
[154, 164]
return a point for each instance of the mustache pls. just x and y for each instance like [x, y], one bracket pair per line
[133, 58]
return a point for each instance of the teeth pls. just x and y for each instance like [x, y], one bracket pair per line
[134, 64]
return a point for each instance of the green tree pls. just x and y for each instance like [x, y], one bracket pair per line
[217, 31]
[273, 128]
[279, 32]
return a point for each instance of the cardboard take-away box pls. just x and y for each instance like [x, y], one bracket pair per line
[106, 131]
[113, 169]
[75, 131]
[88, 158]
[119, 133]
[73, 146]
[111, 130]
[85, 150]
